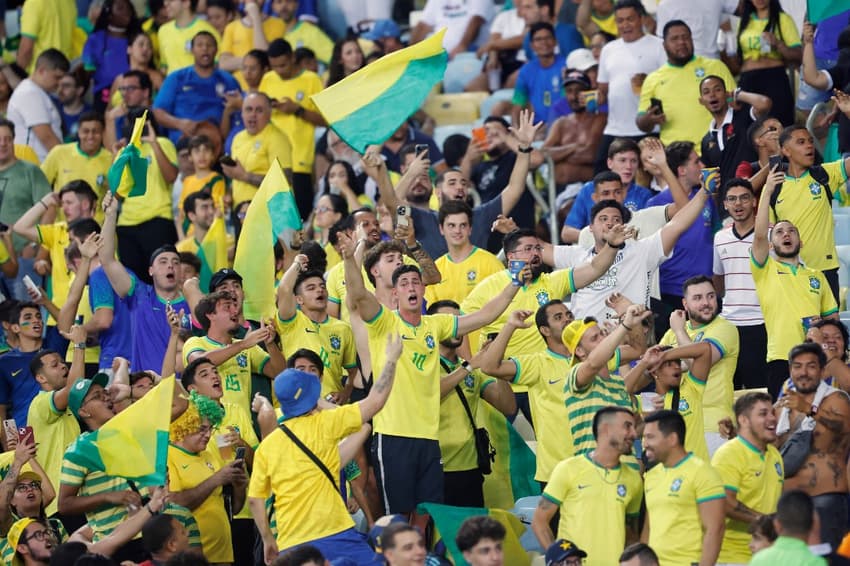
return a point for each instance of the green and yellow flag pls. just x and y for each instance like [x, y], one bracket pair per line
[271, 214]
[366, 107]
[134, 443]
[129, 171]
[513, 471]
[819, 10]
[212, 251]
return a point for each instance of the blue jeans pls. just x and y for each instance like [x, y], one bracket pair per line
[347, 547]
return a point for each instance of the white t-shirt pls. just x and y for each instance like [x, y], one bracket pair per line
[508, 23]
[31, 106]
[732, 260]
[617, 63]
[702, 17]
[629, 275]
[454, 15]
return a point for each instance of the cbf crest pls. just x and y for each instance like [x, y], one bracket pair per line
[815, 189]
[621, 490]
[676, 485]
[814, 283]
[542, 297]
[335, 342]
[469, 381]
[242, 360]
[778, 469]
[471, 275]
[429, 341]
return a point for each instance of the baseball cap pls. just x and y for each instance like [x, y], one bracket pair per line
[167, 248]
[581, 59]
[562, 549]
[223, 275]
[572, 336]
[377, 530]
[81, 388]
[16, 531]
[28, 475]
[297, 392]
[576, 76]
[382, 29]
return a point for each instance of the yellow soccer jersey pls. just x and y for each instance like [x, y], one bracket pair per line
[156, 202]
[595, 502]
[543, 373]
[678, 88]
[750, 38]
[531, 297]
[777, 283]
[65, 163]
[331, 339]
[49, 23]
[307, 34]
[175, 49]
[54, 431]
[804, 202]
[256, 154]
[332, 256]
[460, 278]
[55, 238]
[673, 496]
[299, 486]
[237, 417]
[457, 441]
[300, 132]
[690, 407]
[235, 373]
[719, 392]
[757, 479]
[187, 470]
[412, 409]
[238, 39]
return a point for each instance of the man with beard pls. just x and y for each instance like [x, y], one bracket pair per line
[823, 474]
[675, 86]
[752, 473]
[454, 185]
[792, 294]
[256, 147]
[763, 135]
[734, 282]
[462, 478]
[599, 498]
[801, 399]
[725, 145]
[194, 94]
[236, 359]
[698, 322]
[685, 500]
[135, 88]
[804, 197]
[573, 140]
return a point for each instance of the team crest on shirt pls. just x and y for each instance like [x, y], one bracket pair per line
[778, 469]
[676, 485]
[99, 181]
[335, 342]
[469, 381]
[699, 72]
[219, 89]
[699, 336]
[542, 297]
[429, 341]
[621, 490]
[471, 275]
[257, 145]
[815, 188]
[299, 96]
[242, 360]
[814, 283]
[684, 407]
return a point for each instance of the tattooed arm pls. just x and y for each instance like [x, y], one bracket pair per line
[737, 510]
[540, 522]
[380, 392]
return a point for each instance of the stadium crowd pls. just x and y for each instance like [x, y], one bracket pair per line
[440, 378]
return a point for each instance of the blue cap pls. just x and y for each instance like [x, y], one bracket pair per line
[562, 549]
[377, 530]
[297, 392]
[382, 29]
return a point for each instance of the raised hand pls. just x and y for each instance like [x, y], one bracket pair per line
[842, 100]
[775, 178]
[653, 151]
[635, 314]
[677, 319]
[346, 244]
[503, 225]
[618, 303]
[91, 245]
[518, 319]
[527, 129]
[619, 234]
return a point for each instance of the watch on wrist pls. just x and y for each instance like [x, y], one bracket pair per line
[80, 345]
[466, 365]
[526, 149]
[610, 245]
[299, 111]
[415, 248]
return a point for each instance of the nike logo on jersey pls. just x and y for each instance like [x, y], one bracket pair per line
[14, 373]
[551, 382]
[308, 331]
[580, 486]
[403, 337]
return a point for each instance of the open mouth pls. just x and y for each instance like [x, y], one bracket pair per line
[413, 300]
[216, 385]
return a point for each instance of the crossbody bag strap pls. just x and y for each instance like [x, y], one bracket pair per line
[321, 465]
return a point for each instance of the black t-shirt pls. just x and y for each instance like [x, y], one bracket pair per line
[490, 179]
[736, 146]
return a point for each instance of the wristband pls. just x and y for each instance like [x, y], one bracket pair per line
[41, 202]
[527, 149]
[299, 112]
[416, 247]
[623, 324]
[610, 245]
[80, 346]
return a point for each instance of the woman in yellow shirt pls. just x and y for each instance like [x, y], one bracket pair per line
[768, 44]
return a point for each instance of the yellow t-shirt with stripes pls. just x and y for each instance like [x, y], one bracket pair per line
[332, 339]
[757, 479]
[583, 403]
[460, 278]
[690, 407]
[595, 502]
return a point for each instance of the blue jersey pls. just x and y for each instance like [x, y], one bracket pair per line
[150, 325]
[539, 87]
[637, 198]
[117, 340]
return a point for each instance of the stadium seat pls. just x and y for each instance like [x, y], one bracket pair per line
[840, 211]
[844, 264]
[498, 96]
[524, 511]
[442, 132]
[460, 70]
[845, 318]
[447, 109]
[842, 230]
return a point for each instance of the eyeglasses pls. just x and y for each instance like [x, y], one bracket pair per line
[100, 397]
[42, 535]
[128, 88]
[325, 209]
[739, 198]
[207, 429]
[526, 249]
[31, 486]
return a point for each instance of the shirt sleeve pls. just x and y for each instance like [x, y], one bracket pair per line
[559, 483]
[50, 166]
[729, 469]
[101, 295]
[227, 38]
[521, 95]
[571, 385]
[789, 31]
[31, 19]
[167, 94]
[259, 359]
[837, 180]
[527, 369]
[709, 486]
[579, 213]
[282, 149]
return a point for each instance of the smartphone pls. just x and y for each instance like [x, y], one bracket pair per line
[227, 160]
[26, 431]
[776, 161]
[29, 284]
[480, 136]
[420, 147]
[240, 453]
[10, 431]
[4, 227]
[79, 320]
[515, 266]
[492, 336]
[401, 216]
[657, 103]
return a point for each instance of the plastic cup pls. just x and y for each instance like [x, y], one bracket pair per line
[224, 447]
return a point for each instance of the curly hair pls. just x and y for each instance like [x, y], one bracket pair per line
[200, 408]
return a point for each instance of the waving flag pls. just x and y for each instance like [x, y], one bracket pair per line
[213, 251]
[819, 10]
[271, 214]
[513, 470]
[366, 107]
[134, 443]
[131, 162]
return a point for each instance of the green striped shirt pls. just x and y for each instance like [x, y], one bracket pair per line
[185, 517]
[582, 405]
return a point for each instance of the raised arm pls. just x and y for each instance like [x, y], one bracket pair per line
[761, 104]
[492, 358]
[132, 526]
[380, 391]
[589, 272]
[520, 140]
[88, 250]
[761, 243]
[699, 352]
[407, 234]
[24, 452]
[490, 311]
[26, 225]
[813, 77]
[286, 306]
[367, 305]
[583, 21]
[598, 358]
[118, 277]
[676, 226]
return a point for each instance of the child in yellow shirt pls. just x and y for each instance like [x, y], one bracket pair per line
[201, 153]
